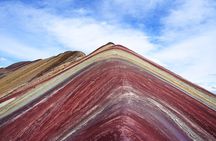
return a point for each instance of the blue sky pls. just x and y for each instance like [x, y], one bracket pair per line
[178, 34]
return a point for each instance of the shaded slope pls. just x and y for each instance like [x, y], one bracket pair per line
[18, 65]
[35, 69]
[13, 67]
[111, 94]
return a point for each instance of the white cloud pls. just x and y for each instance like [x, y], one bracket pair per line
[191, 12]
[88, 35]
[79, 33]
[19, 50]
[116, 10]
[189, 18]
[2, 59]
[192, 55]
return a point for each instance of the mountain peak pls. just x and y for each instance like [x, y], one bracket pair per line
[110, 94]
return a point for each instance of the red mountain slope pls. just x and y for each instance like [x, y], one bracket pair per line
[111, 94]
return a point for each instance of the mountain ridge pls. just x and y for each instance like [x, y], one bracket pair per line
[111, 94]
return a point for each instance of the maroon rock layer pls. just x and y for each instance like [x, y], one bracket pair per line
[110, 100]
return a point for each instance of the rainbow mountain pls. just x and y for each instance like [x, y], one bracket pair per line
[112, 94]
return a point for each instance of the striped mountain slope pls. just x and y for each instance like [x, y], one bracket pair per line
[35, 69]
[112, 94]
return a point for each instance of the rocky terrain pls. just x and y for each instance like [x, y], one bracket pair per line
[112, 94]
